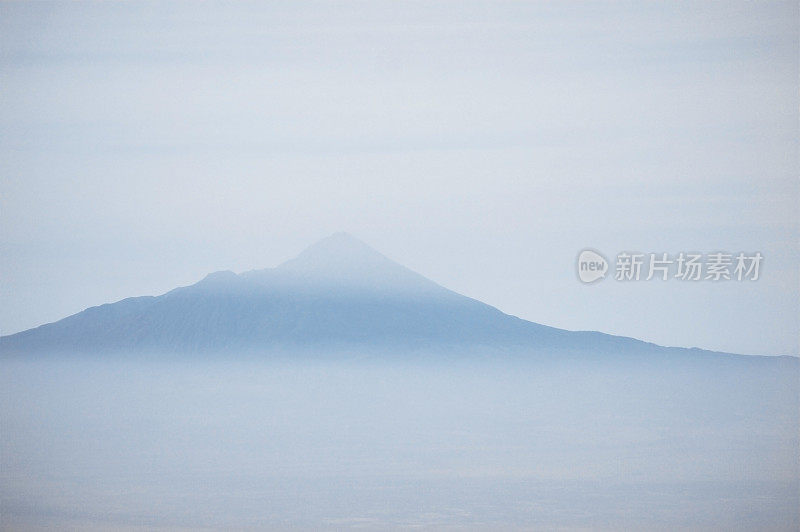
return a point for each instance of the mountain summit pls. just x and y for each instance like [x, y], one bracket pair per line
[342, 262]
[338, 293]
[336, 252]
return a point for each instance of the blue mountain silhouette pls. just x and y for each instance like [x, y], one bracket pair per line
[337, 293]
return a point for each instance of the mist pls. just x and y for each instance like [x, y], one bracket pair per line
[359, 441]
[147, 144]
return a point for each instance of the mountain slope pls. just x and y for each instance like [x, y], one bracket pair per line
[337, 293]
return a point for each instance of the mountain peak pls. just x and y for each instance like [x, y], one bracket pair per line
[340, 243]
[343, 260]
[338, 291]
[335, 252]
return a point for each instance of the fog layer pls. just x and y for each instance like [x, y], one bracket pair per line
[128, 443]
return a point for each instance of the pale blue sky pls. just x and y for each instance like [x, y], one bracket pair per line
[481, 144]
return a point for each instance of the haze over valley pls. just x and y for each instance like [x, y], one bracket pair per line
[343, 390]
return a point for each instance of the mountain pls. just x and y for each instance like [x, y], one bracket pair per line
[338, 293]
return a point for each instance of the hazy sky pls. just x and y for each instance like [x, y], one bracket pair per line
[480, 144]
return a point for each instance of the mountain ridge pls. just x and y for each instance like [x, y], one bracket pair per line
[339, 292]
